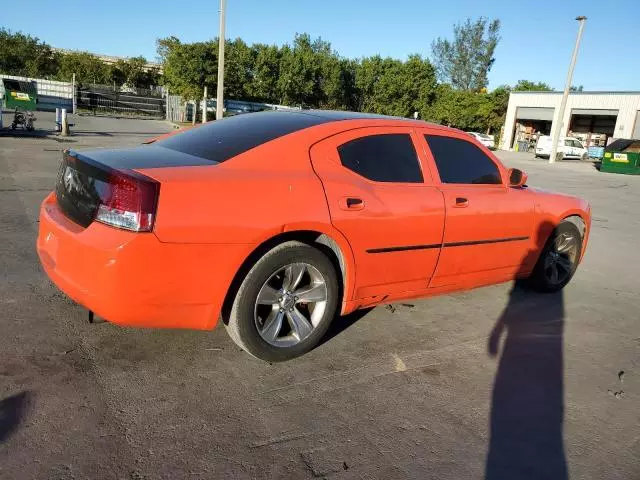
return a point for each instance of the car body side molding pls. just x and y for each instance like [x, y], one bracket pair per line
[445, 245]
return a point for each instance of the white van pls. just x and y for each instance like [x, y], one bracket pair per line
[570, 148]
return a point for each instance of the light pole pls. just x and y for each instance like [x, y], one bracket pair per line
[220, 100]
[555, 135]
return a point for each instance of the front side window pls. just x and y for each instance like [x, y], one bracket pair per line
[462, 162]
[382, 158]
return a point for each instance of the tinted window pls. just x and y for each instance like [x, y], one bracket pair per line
[462, 162]
[222, 139]
[382, 158]
[568, 143]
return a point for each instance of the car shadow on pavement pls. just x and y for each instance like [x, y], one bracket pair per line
[12, 412]
[527, 406]
[341, 323]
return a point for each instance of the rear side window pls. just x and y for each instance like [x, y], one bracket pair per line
[459, 161]
[382, 158]
[224, 139]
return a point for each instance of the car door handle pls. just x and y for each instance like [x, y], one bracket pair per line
[351, 203]
[461, 202]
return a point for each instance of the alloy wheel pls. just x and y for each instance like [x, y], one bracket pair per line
[290, 304]
[561, 258]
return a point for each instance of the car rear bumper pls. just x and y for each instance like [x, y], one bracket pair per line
[132, 278]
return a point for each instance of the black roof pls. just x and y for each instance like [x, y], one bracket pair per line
[336, 115]
[223, 139]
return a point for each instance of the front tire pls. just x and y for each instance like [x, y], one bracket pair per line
[285, 303]
[558, 260]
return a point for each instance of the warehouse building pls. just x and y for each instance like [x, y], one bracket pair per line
[595, 117]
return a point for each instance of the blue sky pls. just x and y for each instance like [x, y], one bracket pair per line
[537, 37]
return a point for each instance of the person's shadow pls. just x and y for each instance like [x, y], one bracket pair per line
[527, 406]
[12, 411]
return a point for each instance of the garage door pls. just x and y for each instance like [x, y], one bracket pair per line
[534, 113]
[593, 121]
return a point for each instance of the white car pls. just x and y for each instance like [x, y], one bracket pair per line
[487, 140]
[568, 146]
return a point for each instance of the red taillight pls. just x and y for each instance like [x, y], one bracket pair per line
[128, 200]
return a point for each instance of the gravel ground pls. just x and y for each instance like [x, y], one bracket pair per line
[425, 389]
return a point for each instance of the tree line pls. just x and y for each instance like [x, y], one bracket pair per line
[27, 56]
[450, 88]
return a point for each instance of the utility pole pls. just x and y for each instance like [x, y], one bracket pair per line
[555, 135]
[74, 103]
[204, 110]
[220, 100]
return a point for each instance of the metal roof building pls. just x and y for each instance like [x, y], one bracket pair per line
[589, 115]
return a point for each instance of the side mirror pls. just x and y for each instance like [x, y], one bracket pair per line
[517, 178]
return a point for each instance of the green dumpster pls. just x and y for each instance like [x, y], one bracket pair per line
[20, 95]
[622, 156]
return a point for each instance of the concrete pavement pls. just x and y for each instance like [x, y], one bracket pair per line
[496, 383]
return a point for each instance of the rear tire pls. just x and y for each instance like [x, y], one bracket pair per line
[558, 260]
[285, 304]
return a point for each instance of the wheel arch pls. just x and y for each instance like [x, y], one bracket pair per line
[578, 221]
[332, 244]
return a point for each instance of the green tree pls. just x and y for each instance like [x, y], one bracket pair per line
[334, 78]
[164, 46]
[188, 67]
[134, 72]
[336, 83]
[419, 84]
[493, 108]
[368, 72]
[526, 85]
[465, 61]
[453, 107]
[299, 71]
[238, 72]
[471, 111]
[266, 70]
[87, 67]
[392, 87]
[25, 55]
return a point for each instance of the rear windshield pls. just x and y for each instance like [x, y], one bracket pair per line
[221, 140]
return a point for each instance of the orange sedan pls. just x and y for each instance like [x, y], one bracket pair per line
[276, 222]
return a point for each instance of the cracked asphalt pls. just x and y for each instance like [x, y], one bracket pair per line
[493, 383]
